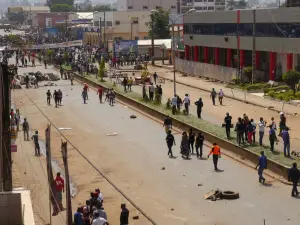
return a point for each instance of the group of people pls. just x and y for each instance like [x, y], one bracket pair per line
[92, 213]
[57, 96]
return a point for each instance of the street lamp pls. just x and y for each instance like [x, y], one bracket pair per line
[173, 21]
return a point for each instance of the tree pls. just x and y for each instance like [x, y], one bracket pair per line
[101, 69]
[291, 78]
[61, 8]
[161, 26]
[104, 8]
[54, 2]
[242, 4]
[231, 4]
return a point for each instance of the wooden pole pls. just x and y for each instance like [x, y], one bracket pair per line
[49, 168]
[64, 151]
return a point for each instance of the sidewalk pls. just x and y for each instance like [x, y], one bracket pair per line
[166, 72]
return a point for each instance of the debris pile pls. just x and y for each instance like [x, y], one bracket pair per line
[218, 194]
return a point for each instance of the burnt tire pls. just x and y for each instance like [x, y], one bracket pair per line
[132, 116]
[230, 195]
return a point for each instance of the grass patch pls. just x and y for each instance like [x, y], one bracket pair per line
[198, 123]
[283, 94]
[66, 67]
[249, 87]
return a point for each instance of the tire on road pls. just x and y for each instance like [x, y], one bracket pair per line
[132, 116]
[230, 195]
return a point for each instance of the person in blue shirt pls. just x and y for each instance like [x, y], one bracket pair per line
[78, 220]
[262, 164]
[286, 141]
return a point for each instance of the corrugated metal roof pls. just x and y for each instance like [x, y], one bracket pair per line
[35, 8]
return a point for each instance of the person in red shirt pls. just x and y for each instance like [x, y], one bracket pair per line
[100, 93]
[60, 187]
[86, 88]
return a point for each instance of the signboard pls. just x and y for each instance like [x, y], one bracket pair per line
[126, 47]
[48, 22]
[14, 148]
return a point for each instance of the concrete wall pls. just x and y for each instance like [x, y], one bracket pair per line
[10, 209]
[146, 5]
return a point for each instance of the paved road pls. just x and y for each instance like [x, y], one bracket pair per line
[133, 160]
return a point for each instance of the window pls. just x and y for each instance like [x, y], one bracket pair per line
[158, 7]
[211, 8]
[109, 23]
[135, 22]
[173, 7]
[136, 38]
[130, 7]
[210, 0]
[199, 8]
[198, 0]
[102, 24]
[145, 7]
[117, 22]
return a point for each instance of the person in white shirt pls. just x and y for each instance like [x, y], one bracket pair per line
[221, 95]
[186, 102]
[99, 221]
[254, 130]
[174, 104]
[261, 129]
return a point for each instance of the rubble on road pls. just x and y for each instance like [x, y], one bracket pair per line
[218, 194]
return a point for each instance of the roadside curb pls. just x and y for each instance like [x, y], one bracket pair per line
[273, 166]
[206, 90]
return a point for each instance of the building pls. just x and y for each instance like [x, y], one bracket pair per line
[202, 5]
[28, 9]
[147, 5]
[211, 43]
[292, 3]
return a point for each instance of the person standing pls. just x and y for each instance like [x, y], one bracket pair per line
[71, 77]
[227, 121]
[184, 146]
[286, 141]
[272, 137]
[199, 144]
[170, 142]
[282, 123]
[199, 105]
[45, 63]
[167, 124]
[191, 140]
[261, 129]
[35, 139]
[78, 220]
[49, 96]
[155, 77]
[99, 220]
[84, 96]
[240, 129]
[249, 133]
[26, 130]
[293, 176]
[253, 124]
[221, 95]
[61, 70]
[86, 88]
[179, 103]
[151, 92]
[56, 97]
[60, 95]
[174, 104]
[213, 95]
[262, 165]
[216, 152]
[60, 187]
[100, 93]
[130, 82]
[124, 215]
[186, 102]
[111, 97]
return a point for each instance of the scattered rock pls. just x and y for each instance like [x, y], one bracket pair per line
[172, 209]
[199, 185]
[112, 134]
[24, 172]
[163, 168]
[135, 217]
[183, 175]
[132, 116]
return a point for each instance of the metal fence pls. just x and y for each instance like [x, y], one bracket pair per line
[215, 72]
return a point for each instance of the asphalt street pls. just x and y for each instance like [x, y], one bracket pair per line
[133, 160]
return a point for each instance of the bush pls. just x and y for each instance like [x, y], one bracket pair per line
[272, 93]
[257, 86]
[291, 78]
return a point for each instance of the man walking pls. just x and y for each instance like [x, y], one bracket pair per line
[262, 164]
[186, 102]
[294, 175]
[155, 77]
[216, 152]
[286, 141]
[124, 215]
[49, 96]
[26, 130]
[174, 104]
[199, 105]
[221, 95]
[213, 95]
[261, 129]
[167, 124]
[60, 187]
[227, 121]
[100, 93]
[199, 144]
[56, 97]
[84, 96]
[35, 139]
[170, 141]
[61, 70]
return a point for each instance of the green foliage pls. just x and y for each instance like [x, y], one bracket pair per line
[248, 69]
[232, 4]
[101, 69]
[272, 94]
[161, 26]
[277, 89]
[61, 8]
[16, 40]
[101, 8]
[291, 78]
[58, 2]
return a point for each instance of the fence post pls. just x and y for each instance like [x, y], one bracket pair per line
[64, 152]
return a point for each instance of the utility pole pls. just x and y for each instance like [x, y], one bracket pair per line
[6, 142]
[64, 151]
[131, 24]
[253, 46]
[100, 32]
[152, 39]
[104, 40]
[238, 45]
